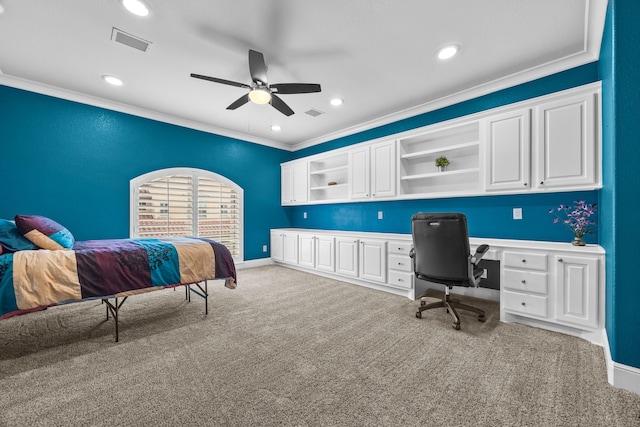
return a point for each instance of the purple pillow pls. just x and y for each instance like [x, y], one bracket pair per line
[44, 232]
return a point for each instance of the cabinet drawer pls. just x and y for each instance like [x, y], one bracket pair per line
[533, 305]
[528, 260]
[400, 262]
[523, 280]
[399, 247]
[400, 279]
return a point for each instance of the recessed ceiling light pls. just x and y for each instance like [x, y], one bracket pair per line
[448, 51]
[276, 128]
[113, 80]
[137, 7]
[336, 101]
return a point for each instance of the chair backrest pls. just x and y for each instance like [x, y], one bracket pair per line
[441, 245]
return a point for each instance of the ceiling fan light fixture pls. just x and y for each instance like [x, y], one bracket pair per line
[137, 7]
[336, 102]
[448, 52]
[260, 96]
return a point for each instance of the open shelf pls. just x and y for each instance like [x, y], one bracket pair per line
[436, 152]
[440, 174]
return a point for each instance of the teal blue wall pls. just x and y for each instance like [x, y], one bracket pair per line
[619, 65]
[73, 162]
[489, 216]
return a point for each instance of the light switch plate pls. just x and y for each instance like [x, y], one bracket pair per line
[304, 215]
[517, 213]
[380, 215]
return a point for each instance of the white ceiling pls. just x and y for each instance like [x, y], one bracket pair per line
[378, 55]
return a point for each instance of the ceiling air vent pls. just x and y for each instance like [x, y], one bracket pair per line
[313, 112]
[129, 40]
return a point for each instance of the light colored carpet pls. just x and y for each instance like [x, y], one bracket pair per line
[293, 349]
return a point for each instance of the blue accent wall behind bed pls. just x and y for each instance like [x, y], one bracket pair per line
[73, 162]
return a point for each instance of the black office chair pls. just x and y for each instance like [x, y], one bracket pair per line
[441, 255]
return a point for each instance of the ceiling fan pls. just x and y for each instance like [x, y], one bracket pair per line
[260, 91]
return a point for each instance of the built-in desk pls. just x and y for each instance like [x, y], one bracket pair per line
[551, 285]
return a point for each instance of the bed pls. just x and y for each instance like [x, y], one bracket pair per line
[35, 276]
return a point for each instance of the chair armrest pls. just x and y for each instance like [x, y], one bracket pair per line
[412, 253]
[480, 251]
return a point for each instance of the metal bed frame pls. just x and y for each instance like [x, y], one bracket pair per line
[114, 307]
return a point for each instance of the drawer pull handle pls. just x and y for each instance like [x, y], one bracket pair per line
[524, 281]
[523, 304]
[400, 280]
[400, 263]
[560, 260]
[524, 260]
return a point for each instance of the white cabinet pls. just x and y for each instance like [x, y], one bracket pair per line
[507, 151]
[560, 288]
[294, 184]
[577, 290]
[290, 248]
[307, 250]
[277, 248]
[347, 256]
[325, 253]
[524, 287]
[565, 135]
[373, 260]
[372, 171]
[400, 265]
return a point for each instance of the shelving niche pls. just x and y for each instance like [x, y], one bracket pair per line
[417, 155]
[328, 177]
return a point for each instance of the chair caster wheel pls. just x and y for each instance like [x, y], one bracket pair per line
[482, 318]
[423, 303]
[456, 326]
[419, 314]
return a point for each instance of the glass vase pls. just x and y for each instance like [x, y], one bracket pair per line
[577, 241]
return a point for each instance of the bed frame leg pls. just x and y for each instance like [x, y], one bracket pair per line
[203, 293]
[114, 308]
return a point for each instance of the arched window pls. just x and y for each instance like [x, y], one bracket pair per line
[188, 202]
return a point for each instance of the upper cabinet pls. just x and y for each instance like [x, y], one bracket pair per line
[294, 184]
[373, 171]
[507, 151]
[551, 143]
[565, 135]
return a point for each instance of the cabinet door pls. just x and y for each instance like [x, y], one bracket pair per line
[277, 246]
[565, 141]
[373, 260]
[383, 169]
[290, 248]
[300, 182]
[359, 173]
[577, 290]
[286, 185]
[347, 256]
[508, 148]
[325, 253]
[307, 250]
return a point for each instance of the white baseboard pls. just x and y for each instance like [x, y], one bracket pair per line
[254, 263]
[619, 375]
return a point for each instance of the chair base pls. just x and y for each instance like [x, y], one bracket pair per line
[450, 305]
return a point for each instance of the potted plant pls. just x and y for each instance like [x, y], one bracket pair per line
[442, 162]
[579, 219]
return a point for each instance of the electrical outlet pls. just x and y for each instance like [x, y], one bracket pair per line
[264, 248]
[380, 215]
[517, 213]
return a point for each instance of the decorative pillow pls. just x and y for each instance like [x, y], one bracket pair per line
[11, 240]
[44, 232]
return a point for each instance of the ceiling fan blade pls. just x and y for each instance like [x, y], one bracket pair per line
[217, 80]
[239, 102]
[257, 67]
[280, 105]
[291, 88]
